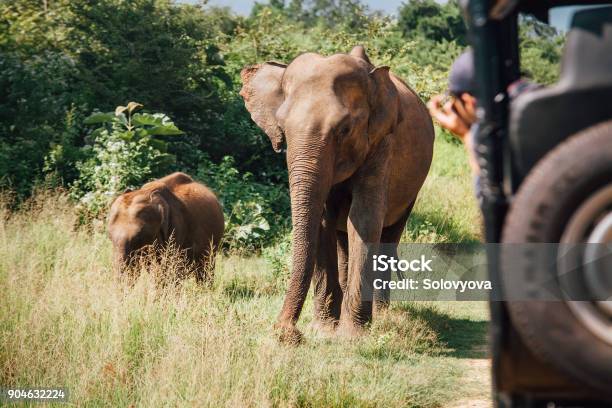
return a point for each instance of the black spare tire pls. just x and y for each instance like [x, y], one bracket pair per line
[567, 197]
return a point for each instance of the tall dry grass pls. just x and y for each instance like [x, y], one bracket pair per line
[65, 321]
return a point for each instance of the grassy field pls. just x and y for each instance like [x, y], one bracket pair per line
[446, 210]
[64, 321]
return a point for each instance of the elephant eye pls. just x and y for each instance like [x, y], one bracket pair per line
[344, 129]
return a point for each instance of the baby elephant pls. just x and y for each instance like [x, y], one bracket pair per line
[173, 206]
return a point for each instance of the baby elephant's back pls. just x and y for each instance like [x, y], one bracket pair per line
[204, 212]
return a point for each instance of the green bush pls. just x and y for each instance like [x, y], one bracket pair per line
[278, 256]
[256, 214]
[127, 150]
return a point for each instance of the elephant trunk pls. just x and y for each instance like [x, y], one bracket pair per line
[121, 259]
[125, 253]
[309, 185]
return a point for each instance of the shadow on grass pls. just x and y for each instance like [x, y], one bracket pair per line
[436, 227]
[458, 337]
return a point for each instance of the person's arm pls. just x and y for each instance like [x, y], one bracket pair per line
[457, 116]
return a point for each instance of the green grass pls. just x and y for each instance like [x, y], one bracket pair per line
[64, 321]
[446, 210]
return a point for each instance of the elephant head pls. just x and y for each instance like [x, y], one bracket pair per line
[138, 219]
[330, 112]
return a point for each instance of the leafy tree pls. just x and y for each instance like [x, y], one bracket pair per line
[66, 57]
[149, 50]
[432, 21]
[38, 94]
[341, 14]
[540, 46]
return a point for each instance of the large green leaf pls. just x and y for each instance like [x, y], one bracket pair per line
[147, 119]
[99, 117]
[164, 130]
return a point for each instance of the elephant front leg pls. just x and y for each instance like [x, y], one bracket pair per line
[365, 224]
[358, 297]
[327, 291]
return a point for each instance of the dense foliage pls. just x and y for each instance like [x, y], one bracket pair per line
[433, 21]
[127, 149]
[61, 60]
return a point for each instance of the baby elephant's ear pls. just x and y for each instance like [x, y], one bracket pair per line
[161, 204]
[262, 94]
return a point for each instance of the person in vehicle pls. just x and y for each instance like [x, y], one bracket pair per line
[456, 110]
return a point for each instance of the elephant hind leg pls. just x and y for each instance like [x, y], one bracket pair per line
[389, 240]
[327, 290]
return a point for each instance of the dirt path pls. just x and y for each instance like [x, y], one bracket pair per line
[472, 403]
[477, 383]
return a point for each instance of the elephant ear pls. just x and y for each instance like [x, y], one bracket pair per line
[359, 52]
[384, 105]
[163, 207]
[262, 94]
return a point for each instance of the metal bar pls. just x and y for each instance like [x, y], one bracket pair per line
[492, 72]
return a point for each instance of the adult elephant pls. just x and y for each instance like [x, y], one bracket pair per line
[359, 146]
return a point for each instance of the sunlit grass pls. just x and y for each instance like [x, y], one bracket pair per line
[65, 321]
[446, 209]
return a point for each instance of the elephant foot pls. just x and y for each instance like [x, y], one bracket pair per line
[323, 326]
[288, 334]
[350, 330]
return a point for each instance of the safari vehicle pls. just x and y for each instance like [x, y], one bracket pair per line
[546, 159]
